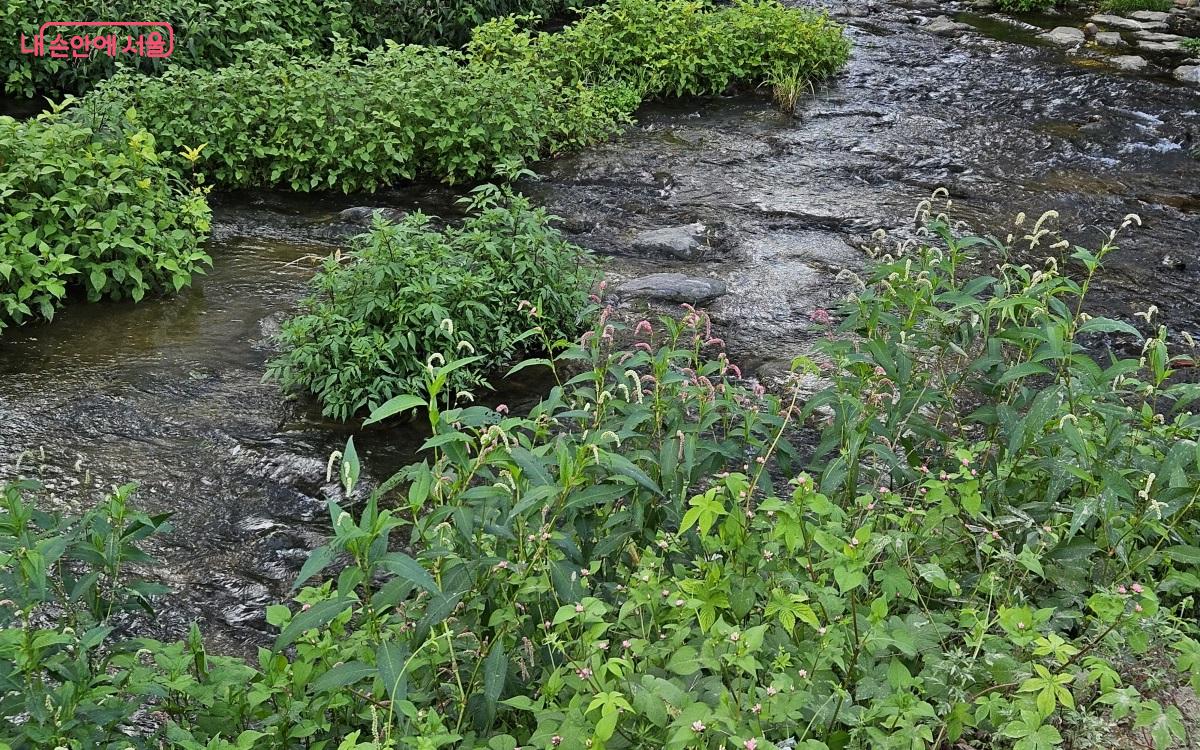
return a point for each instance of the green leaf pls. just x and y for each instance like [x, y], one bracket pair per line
[393, 407]
[341, 675]
[409, 570]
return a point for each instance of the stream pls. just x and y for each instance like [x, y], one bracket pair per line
[169, 393]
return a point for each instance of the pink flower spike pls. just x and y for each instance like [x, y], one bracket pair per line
[603, 285]
[593, 298]
[1137, 588]
[502, 408]
[698, 726]
[643, 346]
[737, 371]
[821, 315]
[750, 744]
[715, 342]
[643, 325]
[1121, 589]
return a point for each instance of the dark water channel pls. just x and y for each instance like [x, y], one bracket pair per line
[168, 393]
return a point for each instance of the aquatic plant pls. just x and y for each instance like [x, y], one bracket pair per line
[994, 542]
[406, 297]
[340, 122]
[96, 214]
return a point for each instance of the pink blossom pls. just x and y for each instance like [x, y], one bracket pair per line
[821, 315]
[1137, 588]
[502, 408]
[643, 325]
[583, 673]
[698, 726]
[750, 744]
[625, 644]
[643, 346]
[578, 607]
[715, 342]
[1121, 589]
[556, 740]
[756, 708]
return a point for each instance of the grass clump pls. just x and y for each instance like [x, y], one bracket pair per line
[994, 537]
[1129, 6]
[405, 112]
[98, 215]
[407, 296]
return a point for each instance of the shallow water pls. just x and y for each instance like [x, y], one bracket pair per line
[169, 394]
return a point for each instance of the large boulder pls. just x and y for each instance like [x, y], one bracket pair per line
[673, 287]
[1064, 35]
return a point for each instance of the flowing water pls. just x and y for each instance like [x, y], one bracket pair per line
[169, 393]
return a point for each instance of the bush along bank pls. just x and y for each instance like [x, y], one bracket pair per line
[994, 544]
[406, 297]
[404, 112]
[211, 34]
[98, 215]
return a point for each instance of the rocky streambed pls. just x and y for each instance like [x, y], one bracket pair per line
[726, 202]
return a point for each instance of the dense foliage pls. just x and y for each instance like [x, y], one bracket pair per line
[995, 544]
[338, 122]
[1129, 6]
[407, 295]
[101, 215]
[214, 33]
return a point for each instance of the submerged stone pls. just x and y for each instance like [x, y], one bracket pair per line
[1129, 62]
[684, 241]
[946, 26]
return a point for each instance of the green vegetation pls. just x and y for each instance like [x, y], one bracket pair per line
[1129, 6]
[1026, 6]
[214, 33]
[405, 112]
[98, 214]
[994, 538]
[1191, 45]
[406, 296]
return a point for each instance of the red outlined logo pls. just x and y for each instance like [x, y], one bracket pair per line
[80, 46]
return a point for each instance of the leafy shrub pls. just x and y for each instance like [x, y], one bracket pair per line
[1129, 6]
[678, 47]
[994, 531]
[98, 214]
[211, 34]
[334, 123]
[1191, 45]
[406, 295]
[313, 123]
[1026, 6]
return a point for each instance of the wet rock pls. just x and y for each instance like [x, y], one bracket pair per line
[1150, 15]
[946, 26]
[1157, 36]
[1129, 62]
[1109, 39]
[364, 215]
[1065, 35]
[1160, 46]
[1120, 22]
[684, 242]
[984, 5]
[673, 287]
[1090, 30]
[1187, 73]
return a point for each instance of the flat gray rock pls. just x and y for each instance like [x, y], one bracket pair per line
[674, 287]
[1150, 15]
[1120, 22]
[1109, 39]
[1129, 62]
[946, 26]
[1160, 46]
[1158, 36]
[1065, 35]
[684, 241]
[1187, 73]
